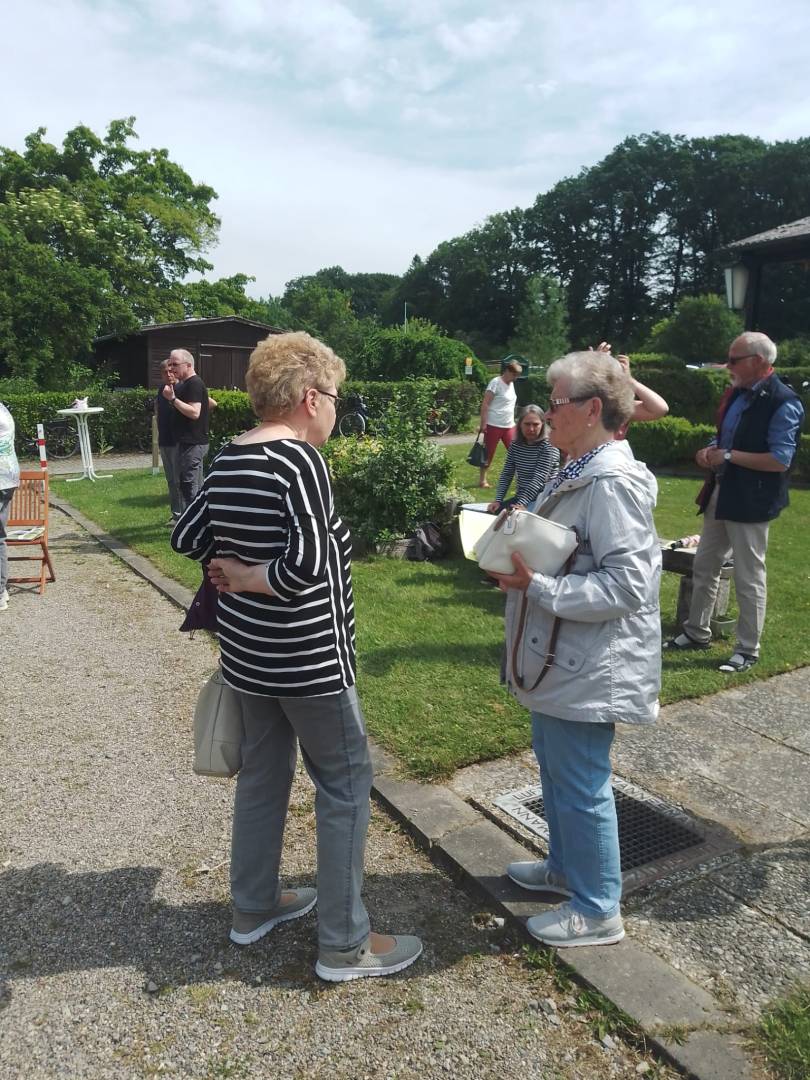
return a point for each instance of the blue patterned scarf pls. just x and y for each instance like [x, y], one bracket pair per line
[574, 468]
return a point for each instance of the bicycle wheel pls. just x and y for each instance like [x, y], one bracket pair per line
[352, 423]
[61, 441]
[438, 422]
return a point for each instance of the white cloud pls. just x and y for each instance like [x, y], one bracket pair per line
[244, 59]
[478, 39]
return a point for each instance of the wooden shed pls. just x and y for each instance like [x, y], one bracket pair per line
[221, 348]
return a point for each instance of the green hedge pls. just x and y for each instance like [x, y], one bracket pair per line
[693, 395]
[460, 399]
[674, 441]
[126, 423]
[656, 360]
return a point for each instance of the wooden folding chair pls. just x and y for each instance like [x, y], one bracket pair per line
[28, 526]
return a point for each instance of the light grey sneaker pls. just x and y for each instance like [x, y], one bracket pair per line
[565, 928]
[362, 963]
[249, 926]
[4, 600]
[537, 877]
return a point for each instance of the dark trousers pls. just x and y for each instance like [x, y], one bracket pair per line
[190, 470]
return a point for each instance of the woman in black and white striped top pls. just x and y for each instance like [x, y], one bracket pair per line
[280, 558]
[532, 457]
[270, 503]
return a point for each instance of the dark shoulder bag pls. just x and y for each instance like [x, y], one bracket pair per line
[202, 612]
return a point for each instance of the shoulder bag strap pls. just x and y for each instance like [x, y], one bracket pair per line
[552, 644]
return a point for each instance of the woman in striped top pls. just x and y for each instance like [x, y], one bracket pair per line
[532, 457]
[281, 560]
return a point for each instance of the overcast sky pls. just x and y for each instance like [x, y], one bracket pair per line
[366, 131]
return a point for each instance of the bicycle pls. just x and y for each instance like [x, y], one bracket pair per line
[438, 420]
[61, 441]
[355, 420]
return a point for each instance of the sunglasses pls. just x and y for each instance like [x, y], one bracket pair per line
[732, 360]
[555, 403]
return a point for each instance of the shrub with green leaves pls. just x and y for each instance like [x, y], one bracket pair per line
[793, 352]
[386, 485]
[699, 332]
[670, 441]
[674, 441]
[420, 351]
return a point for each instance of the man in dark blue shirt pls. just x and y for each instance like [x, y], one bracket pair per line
[755, 446]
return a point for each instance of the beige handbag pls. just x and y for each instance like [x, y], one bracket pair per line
[218, 729]
[544, 545]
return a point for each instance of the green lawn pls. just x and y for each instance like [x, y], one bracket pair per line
[784, 1035]
[430, 636]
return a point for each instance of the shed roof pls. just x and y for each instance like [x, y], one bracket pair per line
[782, 244]
[186, 323]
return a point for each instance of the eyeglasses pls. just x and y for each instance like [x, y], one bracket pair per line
[732, 360]
[555, 403]
[335, 397]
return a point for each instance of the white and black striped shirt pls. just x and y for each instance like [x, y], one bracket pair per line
[271, 502]
[534, 463]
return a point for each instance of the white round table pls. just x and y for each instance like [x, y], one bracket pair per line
[81, 415]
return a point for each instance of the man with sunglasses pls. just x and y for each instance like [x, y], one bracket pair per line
[749, 458]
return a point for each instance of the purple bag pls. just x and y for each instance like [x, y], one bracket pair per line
[202, 614]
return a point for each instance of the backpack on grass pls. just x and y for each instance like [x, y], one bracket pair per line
[426, 543]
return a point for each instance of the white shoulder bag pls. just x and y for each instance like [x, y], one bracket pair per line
[544, 545]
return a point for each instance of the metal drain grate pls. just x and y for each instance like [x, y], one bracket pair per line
[652, 834]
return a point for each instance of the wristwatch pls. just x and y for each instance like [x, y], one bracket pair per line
[727, 456]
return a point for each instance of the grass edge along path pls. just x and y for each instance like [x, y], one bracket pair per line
[783, 1035]
[430, 635]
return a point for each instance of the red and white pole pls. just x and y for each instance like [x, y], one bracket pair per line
[43, 458]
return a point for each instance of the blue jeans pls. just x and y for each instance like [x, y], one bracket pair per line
[332, 737]
[574, 761]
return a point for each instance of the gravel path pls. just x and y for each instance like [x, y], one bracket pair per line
[114, 901]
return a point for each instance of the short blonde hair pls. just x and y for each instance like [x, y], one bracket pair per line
[514, 365]
[597, 374]
[284, 366]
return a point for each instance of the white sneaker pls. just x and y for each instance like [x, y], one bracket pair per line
[538, 877]
[4, 600]
[564, 927]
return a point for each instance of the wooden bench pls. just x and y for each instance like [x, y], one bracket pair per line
[681, 561]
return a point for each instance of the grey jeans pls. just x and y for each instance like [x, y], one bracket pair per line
[171, 470]
[331, 733]
[190, 459]
[6, 496]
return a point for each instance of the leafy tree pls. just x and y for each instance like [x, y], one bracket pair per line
[700, 330]
[541, 333]
[368, 292]
[226, 296]
[327, 314]
[103, 229]
[49, 308]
